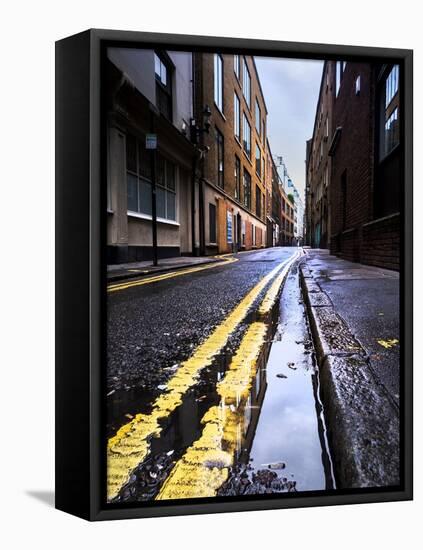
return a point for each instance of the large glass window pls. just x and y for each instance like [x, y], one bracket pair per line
[339, 70]
[138, 181]
[237, 178]
[258, 161]
[163, 85]
[237, 117]
[391, 87]
[389, 127]
[218, 81]
[219, 158]
[246, 86]
[246, 139]
[237, 66]
[258, 118]
[258, 201]
[247, 188]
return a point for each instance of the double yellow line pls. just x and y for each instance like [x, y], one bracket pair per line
[131, 443]
[147, 280]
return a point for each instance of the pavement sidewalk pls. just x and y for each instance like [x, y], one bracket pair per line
[353, 311]
[132, 270]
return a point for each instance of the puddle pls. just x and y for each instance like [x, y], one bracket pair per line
[289, 450]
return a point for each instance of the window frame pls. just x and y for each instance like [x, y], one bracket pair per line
[246, 188]
[237, 120]
[164, 88]
[218, 82]
[220, 158]
[245, 125]
[246, 75]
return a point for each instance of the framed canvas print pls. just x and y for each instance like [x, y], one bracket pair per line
[234, 274]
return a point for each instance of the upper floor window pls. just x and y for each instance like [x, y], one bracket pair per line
[246, 86]
[219, 158]
[339, 70]
[163, 72]
[218, 81]
[246, 139]
[247, 189]
[391, 86]
[390, 109]
[258, 201]
[237, 66]
[258, 118]
[237, 117]
[237, 178]
[258, 161]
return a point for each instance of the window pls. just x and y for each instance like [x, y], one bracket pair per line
[258, 161]
[264, 131]
[258, 118]
[138, 177]
[219, 158]
[212, 222]
[163, 72]
[246, 86]
[237, 117]
[340, 68]
[237, 178]
[391, 86]
[218, 81]
[358, 85]
[246, 140]
[247, 189]
[237, 66]
[166, 189]
[258, 201]
[391, 131]
[389, 127]
[327, 127]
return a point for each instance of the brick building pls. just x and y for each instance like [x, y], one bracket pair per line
[365, 159]
[318, 164]
[231, 186]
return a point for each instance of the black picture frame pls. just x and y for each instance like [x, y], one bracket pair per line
[80, 273]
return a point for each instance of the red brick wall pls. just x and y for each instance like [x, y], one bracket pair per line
[354, 151]
[381, 242]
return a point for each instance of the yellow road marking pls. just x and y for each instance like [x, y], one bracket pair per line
[205, 465]
[387, 344]
[130, 445]
[147, 280]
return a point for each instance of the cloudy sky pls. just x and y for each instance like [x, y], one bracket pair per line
[291, 89]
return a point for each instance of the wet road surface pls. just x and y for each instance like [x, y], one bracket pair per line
[193, 411]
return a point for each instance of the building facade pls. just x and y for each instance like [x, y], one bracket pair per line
[231, 187]
[318, 164]
[354, 164]
[367, 152]
[149, 93]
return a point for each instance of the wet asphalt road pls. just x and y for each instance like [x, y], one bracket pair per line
[152, 328]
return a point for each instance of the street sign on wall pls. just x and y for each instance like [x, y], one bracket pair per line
[229, 227]
[151, 141]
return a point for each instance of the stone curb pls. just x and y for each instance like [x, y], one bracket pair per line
[362, 423]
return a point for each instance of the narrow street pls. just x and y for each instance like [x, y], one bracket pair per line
[212, 386]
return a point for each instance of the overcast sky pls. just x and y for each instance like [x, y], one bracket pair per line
[291, 89]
